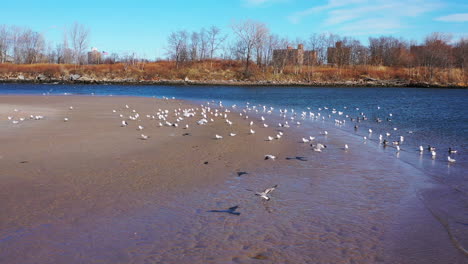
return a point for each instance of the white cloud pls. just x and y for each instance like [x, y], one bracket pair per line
[463, 17]
[367, 16]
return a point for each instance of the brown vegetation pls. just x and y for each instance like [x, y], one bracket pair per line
[227, 70]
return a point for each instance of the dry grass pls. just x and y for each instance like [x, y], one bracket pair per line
[221, 70]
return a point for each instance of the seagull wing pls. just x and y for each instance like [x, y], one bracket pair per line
[269, 190]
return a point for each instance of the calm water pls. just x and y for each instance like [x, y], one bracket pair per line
[338, 205]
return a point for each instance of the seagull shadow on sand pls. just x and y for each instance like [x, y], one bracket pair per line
[240, 173]
[297, 158]
[230, 210]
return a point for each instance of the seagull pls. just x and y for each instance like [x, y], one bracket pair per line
[346, 147]
[305, 140]
[398, 148]
[319, 147]
[230, 210]
[71, 107]
[370, 131]
[144, 137]
[252, 131]
[270, 157]
[452, 151]
[124, 123]
[65, 119]
[433, 153]
[218, 136]
[140, 127]
[311, 138]
[265, 193]
[421, 149]
[232, 134]
[269, 138]
[450, 159]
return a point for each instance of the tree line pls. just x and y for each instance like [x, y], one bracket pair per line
[250, 42]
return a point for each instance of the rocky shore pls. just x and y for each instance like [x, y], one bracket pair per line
[363, 82]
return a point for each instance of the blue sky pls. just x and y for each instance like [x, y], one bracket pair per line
[143, 26]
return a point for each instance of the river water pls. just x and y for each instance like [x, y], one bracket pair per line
[311, 232]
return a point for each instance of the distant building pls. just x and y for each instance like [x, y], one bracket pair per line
[339, 55]
[94, 56]
[295, 57]
[418, 53]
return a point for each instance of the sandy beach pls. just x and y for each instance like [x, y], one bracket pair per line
[91, 191]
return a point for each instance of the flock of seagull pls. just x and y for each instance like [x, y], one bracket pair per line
[208, 112]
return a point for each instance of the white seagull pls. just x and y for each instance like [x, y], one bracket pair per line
[144, 137]
[270, 157]
[218, 136]
[265, 193]
[450, 159]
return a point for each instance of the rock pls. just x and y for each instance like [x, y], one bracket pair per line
[74, 77]
[369, 79]
[41, 77]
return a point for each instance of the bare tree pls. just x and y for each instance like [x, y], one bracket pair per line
[194, 43]
[4, 43]
[249, 33]
[215, 39]
[177, 46]
[79, 36]
[203, 52]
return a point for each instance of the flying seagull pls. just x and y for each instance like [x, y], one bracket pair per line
[265, 193]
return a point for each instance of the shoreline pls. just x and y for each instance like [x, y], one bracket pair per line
[106, 195]
[345, 84]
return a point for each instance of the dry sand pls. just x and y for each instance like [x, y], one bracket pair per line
[90, 191]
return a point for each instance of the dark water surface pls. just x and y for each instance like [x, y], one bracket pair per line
[375, 197]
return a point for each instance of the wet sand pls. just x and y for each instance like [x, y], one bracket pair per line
[90, 191]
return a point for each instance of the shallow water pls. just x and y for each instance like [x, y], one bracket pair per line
[336, 207]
